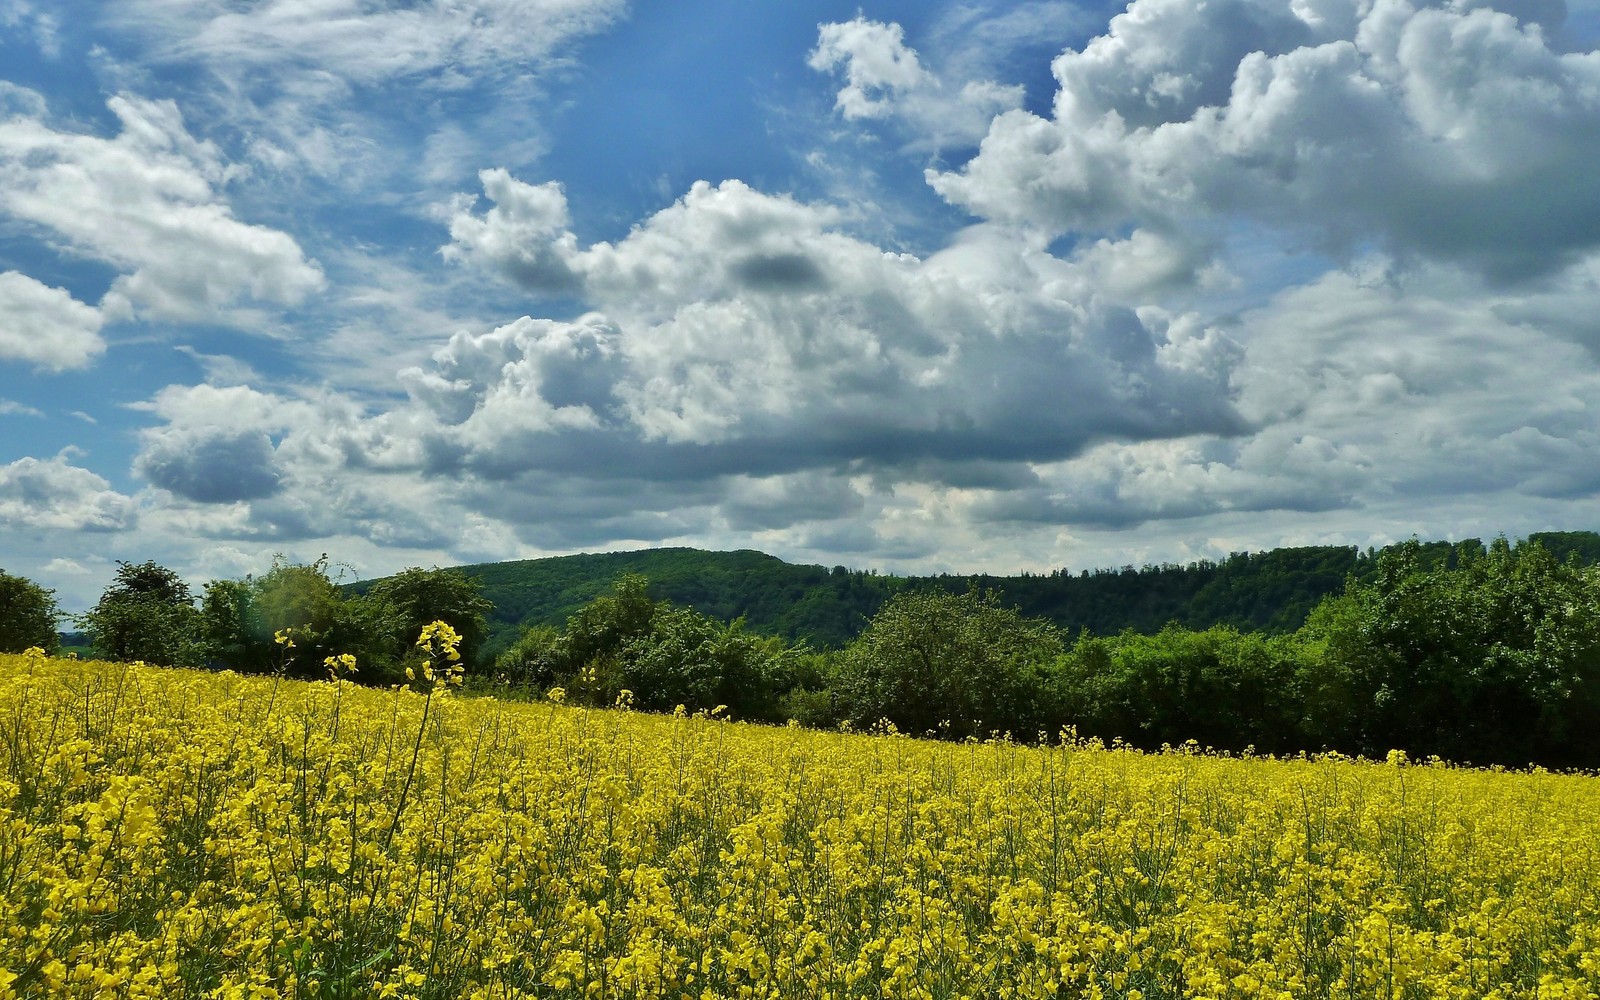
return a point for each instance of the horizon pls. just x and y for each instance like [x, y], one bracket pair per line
[968, 286]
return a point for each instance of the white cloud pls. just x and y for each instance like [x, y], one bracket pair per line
[1386, 398]
[66, 567]
[16, 99]
[12, 408]
[295, 76]
[46, 327]
[877, 65]
[54, 494]
[40, 26]
[885, 78]
[524, 236]
[149, 203]
[739, 332]
[366, 42]
[216, 444]
[1438, 131]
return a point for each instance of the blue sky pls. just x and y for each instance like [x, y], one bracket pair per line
[911, 286]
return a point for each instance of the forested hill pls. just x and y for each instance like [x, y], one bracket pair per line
[1263, 591]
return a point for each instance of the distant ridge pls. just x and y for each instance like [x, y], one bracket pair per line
[1269, 591]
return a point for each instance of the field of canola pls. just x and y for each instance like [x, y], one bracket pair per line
[168, 833]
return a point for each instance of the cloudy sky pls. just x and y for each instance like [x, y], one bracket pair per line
[916, 286]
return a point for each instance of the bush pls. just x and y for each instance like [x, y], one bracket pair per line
[1220, 688]
[665, 655]
[408, 601]
[243, 617]
[954, 664]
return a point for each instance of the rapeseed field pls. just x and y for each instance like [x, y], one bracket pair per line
[169, 833]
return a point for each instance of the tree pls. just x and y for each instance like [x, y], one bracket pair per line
[147, 613]
[409, 600]
[691, 659]
[1219, 687]
[665, 655]
[28, 616]
[957, 664]
[1491, 656]
[233, 634]
[300, 600]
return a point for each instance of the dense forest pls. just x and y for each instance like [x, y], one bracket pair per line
[1272, 591]
[1487, 654]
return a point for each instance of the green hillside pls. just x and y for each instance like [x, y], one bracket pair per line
[1262, 591]
[825, 607]
[1269, 591]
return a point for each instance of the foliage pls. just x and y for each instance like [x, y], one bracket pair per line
[177, 834]
[147, 613]
[242, 619]
[955, 664]
[412, 598]
[827, 608]
[689, 659]
[1220, 688]
[663, 656]
[1485, 654]
[233, 632]
[28, 616]
[1495, 659]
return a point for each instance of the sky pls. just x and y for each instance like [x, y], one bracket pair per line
[935, 286]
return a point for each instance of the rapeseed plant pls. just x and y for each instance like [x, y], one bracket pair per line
[168, 833]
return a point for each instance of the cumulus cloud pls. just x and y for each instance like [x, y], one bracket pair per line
[1450, 131]
[738, 332]
[46, 327]
[1433, 378]
[885, 78]
[524, 237]
[54, 494]
[1401, 398]
[215, 445]
[238, 463]
[149, 202]
[1123, 485]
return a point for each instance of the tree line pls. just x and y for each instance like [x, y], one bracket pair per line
[1481, 654]
[1273, 591]
[288, 619]
[1477, 654]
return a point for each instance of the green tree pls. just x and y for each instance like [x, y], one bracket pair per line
[665, 655]
[690, 659]
[147, 613]
[531, 659]
[1491, 656]
[412, 598]
[28, 616]
[233, 634]
[1219, 687]
[300, 600]
[957, 664]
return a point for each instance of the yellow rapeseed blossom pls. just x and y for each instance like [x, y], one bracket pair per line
[168, 833]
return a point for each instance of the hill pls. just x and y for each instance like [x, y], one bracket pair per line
[1270, 591]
